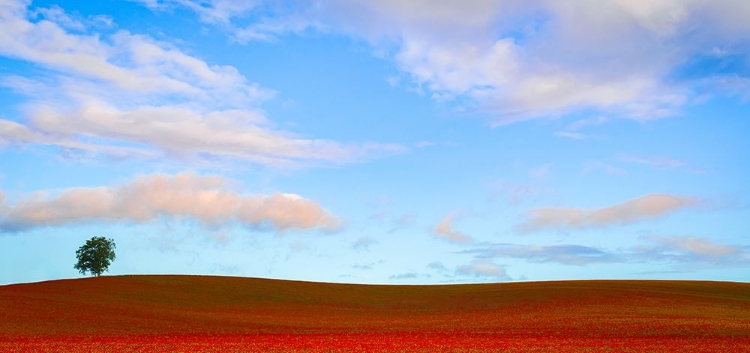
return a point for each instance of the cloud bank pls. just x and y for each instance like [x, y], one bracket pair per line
[523, 60]
[641, 208]
[205, 199]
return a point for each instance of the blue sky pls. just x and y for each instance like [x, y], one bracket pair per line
[377, 141]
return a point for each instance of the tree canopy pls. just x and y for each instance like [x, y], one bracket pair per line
[95, 256]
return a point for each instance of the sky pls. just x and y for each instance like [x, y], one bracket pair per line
[383, 141]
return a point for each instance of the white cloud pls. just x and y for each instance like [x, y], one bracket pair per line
[644, 207]
[522, 60]
[444, 230]
[131, 95]
[133, 63]
[57, 15]
[206, 199]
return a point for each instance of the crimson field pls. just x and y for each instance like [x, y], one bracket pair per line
[202, 313]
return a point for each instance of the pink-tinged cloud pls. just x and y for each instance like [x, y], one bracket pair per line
[631, 211]
[206, 199]
[691, 253]
[696, 246]
[444, 230]
[180, 131]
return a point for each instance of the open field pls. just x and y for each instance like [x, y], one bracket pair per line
[199, 313]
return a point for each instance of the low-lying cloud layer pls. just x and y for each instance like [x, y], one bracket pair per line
[644, 207]
[563, 254]
[677, 250]
[205, 199]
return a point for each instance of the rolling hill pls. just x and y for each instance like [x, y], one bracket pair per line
[187, 313]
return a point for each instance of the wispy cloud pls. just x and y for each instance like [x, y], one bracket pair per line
[590, 166]
[397, 222]
[661, 162]
[516, 193]
[572, 131]
[437, 266]
[572, 135]
[408, 275]
[403, 221]
[425, 144]
[631, 211]
[368, 266]
[205, 199]
[483, 269]
[444, 230]
[568, 254]
[591, 121]
[364, 243]
[541, 172]
[212, 11]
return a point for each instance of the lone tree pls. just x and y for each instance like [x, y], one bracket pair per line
[95, 256]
